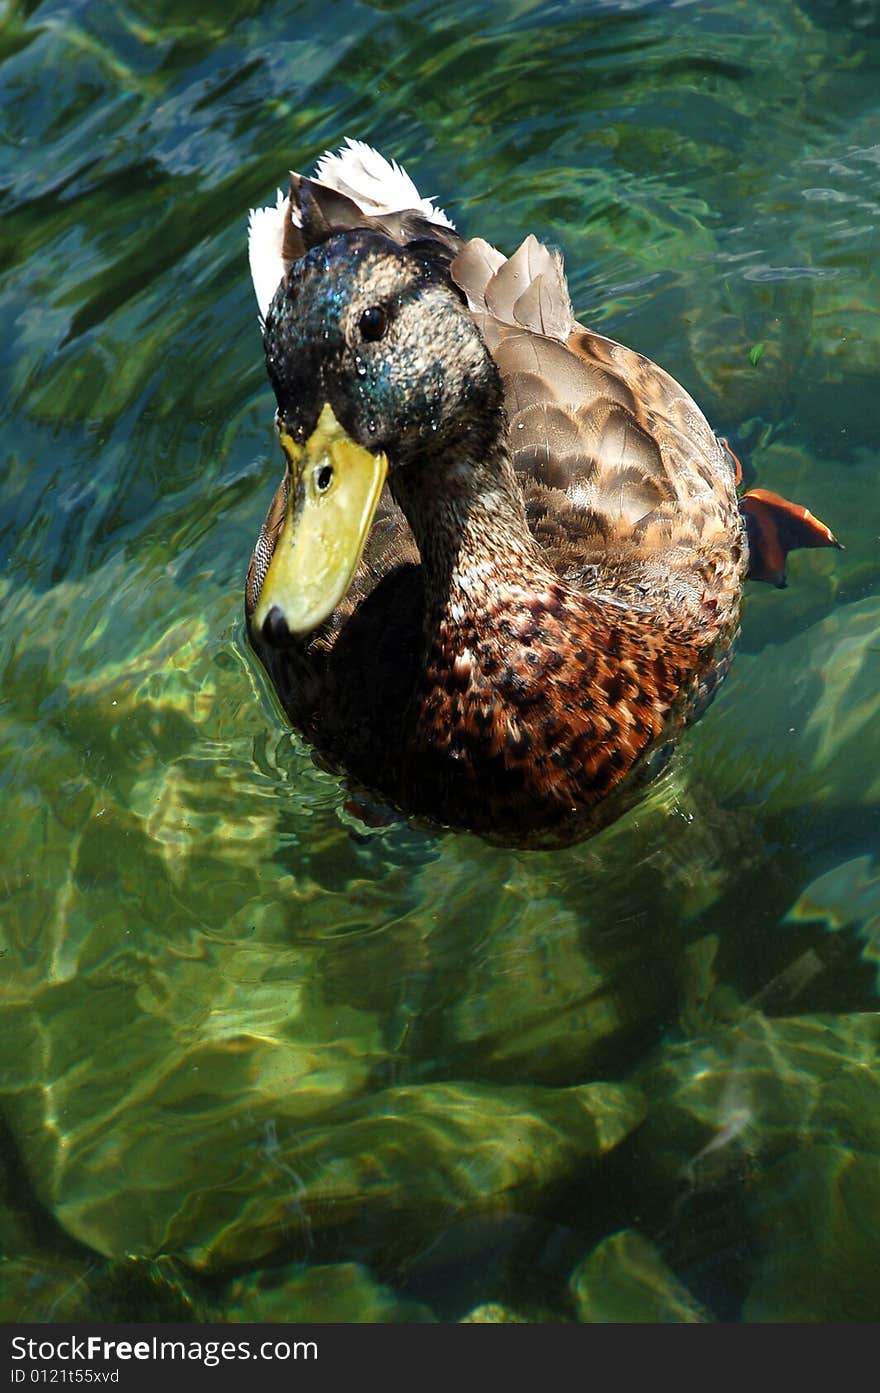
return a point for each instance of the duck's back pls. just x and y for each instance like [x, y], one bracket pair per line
[627, 487]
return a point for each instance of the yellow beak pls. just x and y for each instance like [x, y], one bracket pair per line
[335, 486]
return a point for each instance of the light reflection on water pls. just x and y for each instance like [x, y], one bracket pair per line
[338, 1070]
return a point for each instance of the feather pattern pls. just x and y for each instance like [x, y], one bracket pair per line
[375, 184]
[619, 467]
[532, 699]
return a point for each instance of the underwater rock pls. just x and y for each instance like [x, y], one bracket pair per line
[819, 1207]
[339, 1293]
[625, 1279]
[543, 980]
[819, 748]
[764, 1085]
[41, 1288]
[215, 1055]
[846, 897]
[492, 1313]
[409, 1160]
[139, 1289]
[763, 1141]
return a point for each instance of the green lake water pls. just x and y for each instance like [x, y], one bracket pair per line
[259, 1061]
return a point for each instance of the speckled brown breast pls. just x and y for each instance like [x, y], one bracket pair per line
[526, 725]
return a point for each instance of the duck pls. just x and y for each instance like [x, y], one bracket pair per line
[503, 570]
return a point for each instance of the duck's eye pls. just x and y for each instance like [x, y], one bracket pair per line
[373, 323]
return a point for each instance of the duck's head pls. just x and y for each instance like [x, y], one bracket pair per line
[378, 368]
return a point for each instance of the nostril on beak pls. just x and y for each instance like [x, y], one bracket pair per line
[275, 630]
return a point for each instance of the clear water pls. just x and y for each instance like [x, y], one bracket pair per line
[258, 1061]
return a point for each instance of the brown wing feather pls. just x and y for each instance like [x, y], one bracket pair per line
[475, 264]
[623, 478]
